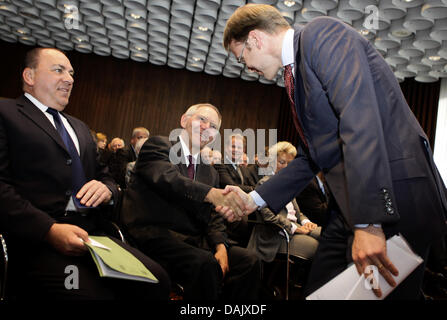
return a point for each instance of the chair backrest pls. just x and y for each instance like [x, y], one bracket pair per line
[3, 267]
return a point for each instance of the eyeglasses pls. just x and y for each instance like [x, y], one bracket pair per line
[241, 59]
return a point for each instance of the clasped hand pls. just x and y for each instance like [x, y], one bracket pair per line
[232, 203]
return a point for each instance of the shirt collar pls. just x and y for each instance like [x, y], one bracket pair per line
[36, 102]
[186, 152]
[287, 54]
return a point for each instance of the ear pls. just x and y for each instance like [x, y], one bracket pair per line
[184, 120]
[28, 76]
[256, 35]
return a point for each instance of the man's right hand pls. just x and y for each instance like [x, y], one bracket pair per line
[67, 239]
[246, 205]
[229, 203]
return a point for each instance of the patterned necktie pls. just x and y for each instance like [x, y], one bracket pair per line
[191, 167]
[77, 170]
[290, 87]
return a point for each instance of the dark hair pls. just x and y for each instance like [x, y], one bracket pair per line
[32, 57]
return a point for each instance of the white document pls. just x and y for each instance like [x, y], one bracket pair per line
[349, 285]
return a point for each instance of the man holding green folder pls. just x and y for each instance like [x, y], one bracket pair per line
[52, 193]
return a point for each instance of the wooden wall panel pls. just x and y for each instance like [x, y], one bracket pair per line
[113, 95]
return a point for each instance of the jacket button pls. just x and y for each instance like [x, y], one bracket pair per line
[69, 161]
[68, 193]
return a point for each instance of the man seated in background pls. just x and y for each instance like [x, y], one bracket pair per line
[53, 192]
[168, 210]
[130, 151]
[130, 168]
[233, 172]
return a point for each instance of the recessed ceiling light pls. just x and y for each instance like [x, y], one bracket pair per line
[135, 16]
[434, 58]
[289, 3]
[196, 59]
[201, 28]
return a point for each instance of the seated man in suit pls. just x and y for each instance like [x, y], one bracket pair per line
[137, 134]
[53, 192]
[168, 211]
[233, 172]
[315, 199]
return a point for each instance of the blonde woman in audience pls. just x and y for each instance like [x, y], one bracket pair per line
[265, 239]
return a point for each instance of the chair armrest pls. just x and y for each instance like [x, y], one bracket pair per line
[4, 254]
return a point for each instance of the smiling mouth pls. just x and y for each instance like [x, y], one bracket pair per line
[66, 90]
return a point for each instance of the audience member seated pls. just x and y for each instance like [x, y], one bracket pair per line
[130, 151]
[130, 169]
[101, 141]
[314, 200]
[53, 193]
[116, 159]
[217, 157]
[232, 172]
[206, 154]
[265, 239]
[168, 210]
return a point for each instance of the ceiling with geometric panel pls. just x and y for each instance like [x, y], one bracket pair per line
[410, 34]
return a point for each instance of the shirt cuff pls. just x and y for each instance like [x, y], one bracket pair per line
[304, 221]
[365, 225]
[257, 199]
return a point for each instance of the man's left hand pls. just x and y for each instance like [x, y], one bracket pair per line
[369, 248]
[93, 193]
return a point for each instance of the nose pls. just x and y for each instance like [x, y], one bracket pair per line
[68, 78]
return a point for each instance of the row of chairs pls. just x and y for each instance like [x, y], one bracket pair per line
[112, 228]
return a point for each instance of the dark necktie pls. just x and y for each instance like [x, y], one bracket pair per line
[290, 87]
[77, 170]
[239, 171]
[190, 167]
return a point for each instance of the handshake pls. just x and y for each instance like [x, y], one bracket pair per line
[232, 203]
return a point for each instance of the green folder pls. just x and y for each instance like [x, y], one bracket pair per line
[118, 262]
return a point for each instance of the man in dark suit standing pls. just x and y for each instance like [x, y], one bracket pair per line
[168, 210]
[355, 126]
[53, 191]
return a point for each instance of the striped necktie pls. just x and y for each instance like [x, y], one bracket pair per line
[290, 87]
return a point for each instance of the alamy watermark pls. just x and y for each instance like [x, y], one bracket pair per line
[72, 280]
[255, 144]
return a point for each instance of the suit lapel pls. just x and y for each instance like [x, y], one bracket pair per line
[34, 114]
[299, 89]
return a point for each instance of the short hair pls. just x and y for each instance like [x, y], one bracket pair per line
[140, 129]
[117, 138]
[101, 136]
[139, 145]
[192, 110]
[32, 57]
[249, 17]
[282, 147]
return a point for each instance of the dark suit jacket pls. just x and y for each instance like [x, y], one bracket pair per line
[314, 203]
[228, 175]
[35, 177]
[361, 133]
[162, 200]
